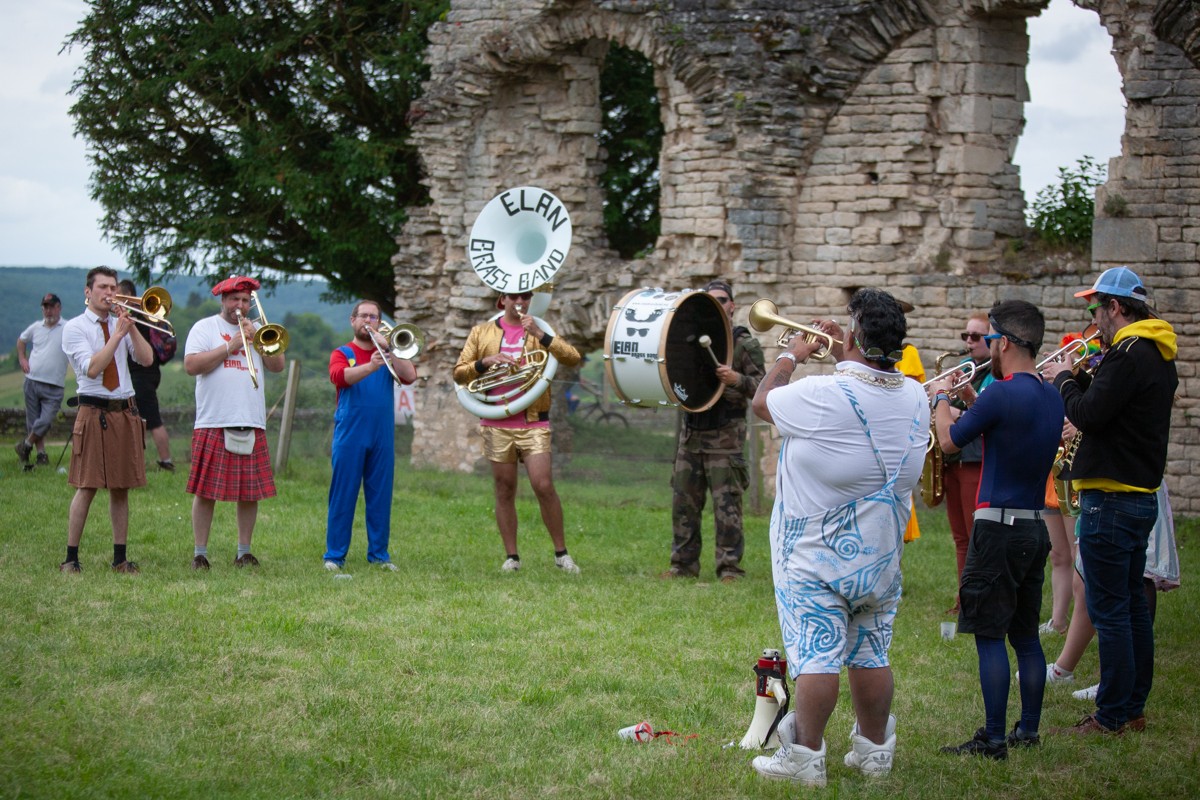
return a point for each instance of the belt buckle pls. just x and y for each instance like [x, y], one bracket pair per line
[1007, 519]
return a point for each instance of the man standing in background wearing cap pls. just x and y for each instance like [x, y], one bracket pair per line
[230, 461]
[45, 369]
[711, 457]
[1123, 412]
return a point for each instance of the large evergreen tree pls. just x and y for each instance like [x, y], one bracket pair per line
[252, 135]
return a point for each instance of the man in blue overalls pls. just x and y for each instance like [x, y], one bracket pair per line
[364, 451]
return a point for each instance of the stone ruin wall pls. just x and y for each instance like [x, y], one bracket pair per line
[810, 149]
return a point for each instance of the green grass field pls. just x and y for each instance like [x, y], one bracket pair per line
[451, 679]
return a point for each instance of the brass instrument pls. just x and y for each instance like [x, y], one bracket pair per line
[933, 488]
[517, 377]
[764, 315]
[1079, 346]
[968, 369]
[269, 339]
[246, 349]
[151, 309]
[404, 341]
[1068, 498]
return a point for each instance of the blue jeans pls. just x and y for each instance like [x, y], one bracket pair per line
[1113, 530]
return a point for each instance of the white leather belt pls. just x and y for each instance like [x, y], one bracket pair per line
[1006, 516]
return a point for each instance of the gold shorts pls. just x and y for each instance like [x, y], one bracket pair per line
[510, 445]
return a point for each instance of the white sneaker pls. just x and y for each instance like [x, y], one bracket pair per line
[786, 730]
[792, 762]
[1086, 694]
[510, 565]
[388, 566]
[566, 564]
[333, 566]
[868, 757]
[1055, 674]
[1047, 628]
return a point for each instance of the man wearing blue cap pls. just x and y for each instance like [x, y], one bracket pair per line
[1123, 412]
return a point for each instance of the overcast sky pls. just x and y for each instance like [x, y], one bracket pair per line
[47, 218]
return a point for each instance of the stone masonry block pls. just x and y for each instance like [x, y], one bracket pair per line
[1124, 240]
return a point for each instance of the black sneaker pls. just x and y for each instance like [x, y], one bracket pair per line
[980, 745]
[1019, 738]
[167, 466]
[23, 449]
[43, 459]
[247, 560]
[200, 563]
[70, 566]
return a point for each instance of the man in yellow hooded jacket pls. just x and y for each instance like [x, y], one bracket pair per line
[1124, 414]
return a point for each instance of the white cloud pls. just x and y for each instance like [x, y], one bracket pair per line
[1076, 107]
[47, 217]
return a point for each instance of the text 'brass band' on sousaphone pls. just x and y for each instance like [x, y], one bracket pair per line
[518, 243]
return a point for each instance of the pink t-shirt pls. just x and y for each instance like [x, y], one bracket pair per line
[514, 339]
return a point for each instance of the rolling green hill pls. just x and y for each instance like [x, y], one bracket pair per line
[26, 286]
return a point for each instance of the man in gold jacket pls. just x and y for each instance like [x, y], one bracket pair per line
[525, 435]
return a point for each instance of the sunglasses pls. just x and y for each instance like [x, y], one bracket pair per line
[1091, 309]
[521, 296]
[637, 331]
[971, 337]
[992, 337]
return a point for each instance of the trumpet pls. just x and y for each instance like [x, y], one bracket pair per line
[151, 309]
[764, 315]
[968, 371]
[404, 341]
[1078, 347]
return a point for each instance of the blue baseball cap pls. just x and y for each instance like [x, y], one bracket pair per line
[1118, 282]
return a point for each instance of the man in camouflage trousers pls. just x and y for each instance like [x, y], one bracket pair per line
[711, 457]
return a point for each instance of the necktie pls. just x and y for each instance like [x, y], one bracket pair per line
[111, 379]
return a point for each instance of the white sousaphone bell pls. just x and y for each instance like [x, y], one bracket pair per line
[518, 244]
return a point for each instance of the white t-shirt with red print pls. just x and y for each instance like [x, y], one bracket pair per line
[226, 397]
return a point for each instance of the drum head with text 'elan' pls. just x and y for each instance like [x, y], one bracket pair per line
[520, 239]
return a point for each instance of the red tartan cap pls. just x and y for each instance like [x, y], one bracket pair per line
[235, 284]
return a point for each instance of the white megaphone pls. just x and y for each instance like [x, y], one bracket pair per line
[770, 703]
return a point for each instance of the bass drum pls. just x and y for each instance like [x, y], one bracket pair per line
[652, 350]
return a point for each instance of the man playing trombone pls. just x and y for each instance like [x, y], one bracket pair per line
[365, 372]
[230, 461]
[108, 432]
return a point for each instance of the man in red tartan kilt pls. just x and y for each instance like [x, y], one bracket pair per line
[230, 460]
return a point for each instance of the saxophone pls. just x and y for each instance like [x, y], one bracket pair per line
[933, 488]
[1068, 498]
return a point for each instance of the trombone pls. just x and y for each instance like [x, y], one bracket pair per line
[269, 339]
[764, 315]
[404, 341]
[151, 309]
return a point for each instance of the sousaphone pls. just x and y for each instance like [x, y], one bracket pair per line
[518, 244]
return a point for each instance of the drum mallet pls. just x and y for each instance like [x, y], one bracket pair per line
[706, 343]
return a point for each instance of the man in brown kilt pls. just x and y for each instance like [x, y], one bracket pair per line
[107, 437]
[230, 460]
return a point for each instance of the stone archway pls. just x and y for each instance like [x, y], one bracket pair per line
[807, 151]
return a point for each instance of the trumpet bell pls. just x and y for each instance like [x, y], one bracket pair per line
[156, 302]
[406, 341]
[271, 340]
[764, 315]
